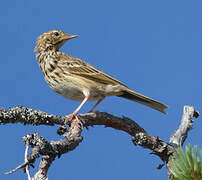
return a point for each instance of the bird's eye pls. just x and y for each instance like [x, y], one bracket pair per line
[56, 33]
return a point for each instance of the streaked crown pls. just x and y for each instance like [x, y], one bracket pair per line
[52, 40]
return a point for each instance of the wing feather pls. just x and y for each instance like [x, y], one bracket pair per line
[78, 67]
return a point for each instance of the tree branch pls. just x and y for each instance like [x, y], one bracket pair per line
[49, 150]
[179, 136]
[25, 116]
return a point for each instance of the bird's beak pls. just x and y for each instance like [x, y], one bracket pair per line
[67, 37]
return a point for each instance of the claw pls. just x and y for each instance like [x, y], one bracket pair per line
[70, 117]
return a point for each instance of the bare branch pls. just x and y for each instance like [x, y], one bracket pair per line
[49, 150]
[17, 168]
[25, 116]
[26, 160]
[179, 136]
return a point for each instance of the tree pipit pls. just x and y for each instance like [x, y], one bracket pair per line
[77, 80]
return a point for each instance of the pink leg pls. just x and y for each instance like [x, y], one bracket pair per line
[82, 103]
[73, 115]
[98, 102]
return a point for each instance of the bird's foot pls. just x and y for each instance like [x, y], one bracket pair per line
[72, 116]
[73, 119]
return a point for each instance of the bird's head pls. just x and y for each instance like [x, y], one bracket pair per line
[52, 40]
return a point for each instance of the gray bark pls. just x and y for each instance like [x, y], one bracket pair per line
[72, 136]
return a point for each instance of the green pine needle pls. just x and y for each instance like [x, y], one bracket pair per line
[187, 165]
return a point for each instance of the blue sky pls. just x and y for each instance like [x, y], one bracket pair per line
[154, 47]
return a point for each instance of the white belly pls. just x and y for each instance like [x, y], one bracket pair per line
[75, 91]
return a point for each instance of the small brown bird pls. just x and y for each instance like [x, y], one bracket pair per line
[75, 79]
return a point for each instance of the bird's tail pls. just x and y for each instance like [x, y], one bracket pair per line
[133, 96]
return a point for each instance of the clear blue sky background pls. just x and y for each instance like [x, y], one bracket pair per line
[154, 47]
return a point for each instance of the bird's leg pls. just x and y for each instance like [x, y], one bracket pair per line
[98, 102]
[74, 114]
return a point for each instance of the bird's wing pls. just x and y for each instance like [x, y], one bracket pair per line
[80, 68]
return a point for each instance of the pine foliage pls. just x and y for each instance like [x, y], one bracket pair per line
[187, 165]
